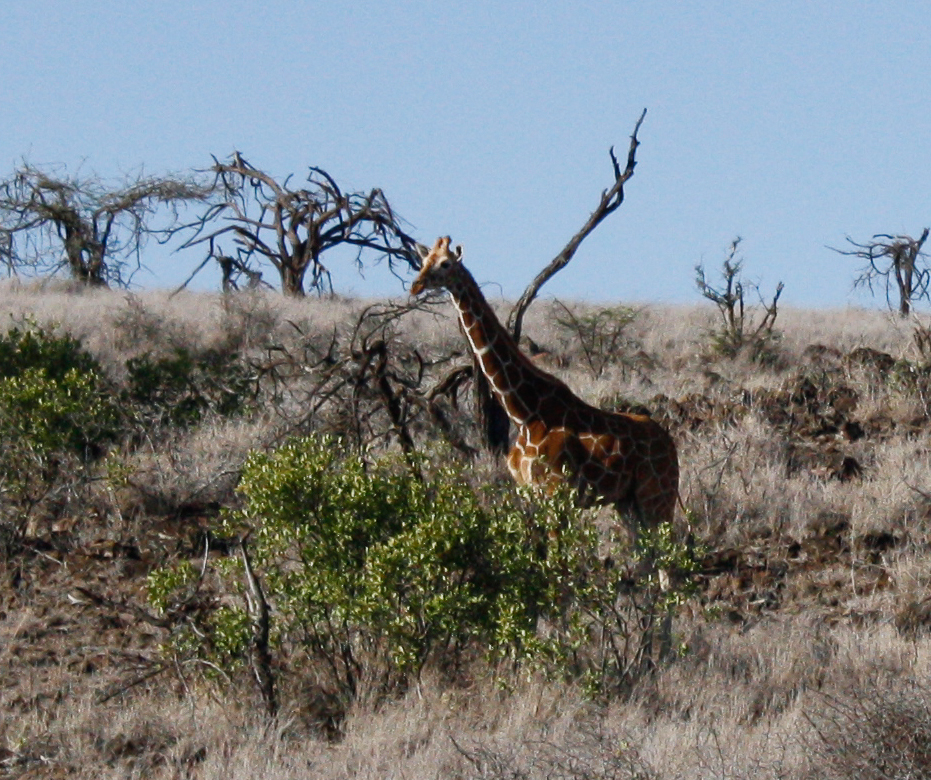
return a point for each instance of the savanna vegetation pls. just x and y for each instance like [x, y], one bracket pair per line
[251, 535]
[248, 535]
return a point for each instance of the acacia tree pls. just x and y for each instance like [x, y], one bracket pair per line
[895, 263]
[52, 220]
[293, 228]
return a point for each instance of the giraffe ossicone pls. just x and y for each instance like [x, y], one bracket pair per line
[628, 460]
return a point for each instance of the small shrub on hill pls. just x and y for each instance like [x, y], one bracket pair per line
[33, 347]
[602, 334]
[884, 734]
[178, 389]
[55, 416]
[739, 332]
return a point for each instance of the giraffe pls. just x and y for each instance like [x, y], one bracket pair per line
[627, 460]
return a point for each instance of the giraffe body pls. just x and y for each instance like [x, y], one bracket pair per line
[627, 460]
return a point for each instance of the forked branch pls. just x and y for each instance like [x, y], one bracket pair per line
[259, 654]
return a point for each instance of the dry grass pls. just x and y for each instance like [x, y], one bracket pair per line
[806, 651]
[783, 699]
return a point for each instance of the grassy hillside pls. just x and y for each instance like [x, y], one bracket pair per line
[803, 643]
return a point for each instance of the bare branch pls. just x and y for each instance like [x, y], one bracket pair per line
[259, 657]
[493, 422]
[734, 335]
[611, 199]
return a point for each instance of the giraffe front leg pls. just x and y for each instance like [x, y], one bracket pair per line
[515, 456]
[532, 463]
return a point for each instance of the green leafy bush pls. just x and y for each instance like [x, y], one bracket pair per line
[379, 567]
[55, 415]
[49, 417]
[211, 632]
[32, 346]
[375, 569]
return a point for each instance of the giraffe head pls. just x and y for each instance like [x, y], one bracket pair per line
[436, 265]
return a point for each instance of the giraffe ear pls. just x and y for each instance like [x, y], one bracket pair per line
[457, 251]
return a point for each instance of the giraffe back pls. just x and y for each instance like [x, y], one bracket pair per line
[627, 460]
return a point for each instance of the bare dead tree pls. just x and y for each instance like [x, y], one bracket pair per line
[292, 229]
[493, 421]
[895, 263]
[52, 220]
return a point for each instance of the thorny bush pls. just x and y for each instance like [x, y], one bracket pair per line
[601, 333]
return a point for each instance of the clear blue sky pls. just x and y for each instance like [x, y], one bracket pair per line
[791, 124]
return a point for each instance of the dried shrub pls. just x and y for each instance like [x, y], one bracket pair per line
[602, 334]
[875, 734]
[739, 332]
[137, 325]
[592, 752]
[248, 320]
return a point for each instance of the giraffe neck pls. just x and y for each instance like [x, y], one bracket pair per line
[515, 381]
